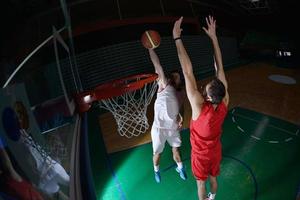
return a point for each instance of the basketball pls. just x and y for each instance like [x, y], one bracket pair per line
[150, 39]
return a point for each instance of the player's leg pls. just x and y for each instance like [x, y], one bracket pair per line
[177, 157]
[201, 189]
[156, 159]
[158, 144]
[174, 141]
[213, 187]
[214, 172]
[200, 167]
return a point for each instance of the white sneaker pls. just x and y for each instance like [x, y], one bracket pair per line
[211, 196]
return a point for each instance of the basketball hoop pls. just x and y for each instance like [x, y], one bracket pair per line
[127, 99]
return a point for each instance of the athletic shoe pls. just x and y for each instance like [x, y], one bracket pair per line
[182, 173]
[210, 196]
[157, 176]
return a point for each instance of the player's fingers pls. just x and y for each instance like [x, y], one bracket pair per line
[179, 21]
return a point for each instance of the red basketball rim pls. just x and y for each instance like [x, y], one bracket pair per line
[121, 86]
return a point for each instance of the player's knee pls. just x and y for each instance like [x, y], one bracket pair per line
[201, 183]
[176, 153]
[214, 183]
[158, 149]
[157, 152]
[175, 150]
[213, 179]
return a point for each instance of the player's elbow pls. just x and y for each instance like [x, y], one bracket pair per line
[188, 76]
[186, 69]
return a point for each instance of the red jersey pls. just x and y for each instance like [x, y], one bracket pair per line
[206, 130]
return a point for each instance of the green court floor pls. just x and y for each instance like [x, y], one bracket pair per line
[260, 161]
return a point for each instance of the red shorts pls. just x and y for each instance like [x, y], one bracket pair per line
[203, 166]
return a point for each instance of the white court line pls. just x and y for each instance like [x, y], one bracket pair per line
[257, 138]
[257, 121]
[232, 118]
[273, 142]
[241, 129]
[289, 139]
[251, 119]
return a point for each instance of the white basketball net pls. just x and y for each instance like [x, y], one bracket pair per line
[130, 109]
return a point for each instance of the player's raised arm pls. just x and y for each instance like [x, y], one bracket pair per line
[218, 63]
[158, 68]
[193, 94]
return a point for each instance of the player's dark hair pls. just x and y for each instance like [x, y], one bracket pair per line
[216, 91]
[170, 77]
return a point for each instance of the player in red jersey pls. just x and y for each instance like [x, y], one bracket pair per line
[209, 109]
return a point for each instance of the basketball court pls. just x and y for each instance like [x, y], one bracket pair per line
[77, 104]
[258, 151]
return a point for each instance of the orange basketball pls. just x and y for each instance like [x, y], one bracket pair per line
[150, 39]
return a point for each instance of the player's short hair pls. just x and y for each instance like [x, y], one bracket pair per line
[216, 91]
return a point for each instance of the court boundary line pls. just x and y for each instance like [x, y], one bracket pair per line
[115, 177]
[269, 125]
[250, 170]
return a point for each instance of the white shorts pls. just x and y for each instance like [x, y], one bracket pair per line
[160, 136]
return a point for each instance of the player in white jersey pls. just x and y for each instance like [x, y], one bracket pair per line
[167, 119]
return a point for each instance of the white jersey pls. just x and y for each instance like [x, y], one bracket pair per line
[166, 109]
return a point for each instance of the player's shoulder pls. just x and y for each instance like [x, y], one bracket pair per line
[225, 102]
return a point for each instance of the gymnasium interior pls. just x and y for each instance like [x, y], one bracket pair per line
[66, 131]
